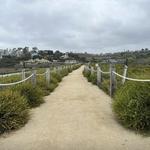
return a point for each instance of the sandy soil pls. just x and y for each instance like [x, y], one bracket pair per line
[76, 116]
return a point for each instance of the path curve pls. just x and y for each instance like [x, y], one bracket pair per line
[76, 116]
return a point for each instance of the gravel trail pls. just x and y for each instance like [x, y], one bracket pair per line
[76, 116]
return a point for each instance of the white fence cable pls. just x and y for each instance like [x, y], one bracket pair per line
[14, 83]
[18, 82]
[13, 74]
[41, 74]
[104, 72]
[132, 79]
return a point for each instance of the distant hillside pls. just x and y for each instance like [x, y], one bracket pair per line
[139, 56]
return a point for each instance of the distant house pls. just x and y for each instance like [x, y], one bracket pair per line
[55, 60]
[34, 53]
[1, 56]
[4, 53]
[117, 61]
[65, 56]
[37, 61]
[71, 61]
[18, 53]
[67, 59]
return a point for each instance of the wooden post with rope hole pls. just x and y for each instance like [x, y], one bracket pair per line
[48, 76]
[112, 80]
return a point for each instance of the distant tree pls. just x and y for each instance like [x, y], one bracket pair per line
[57, 54]
[35, 49]
[26, 54]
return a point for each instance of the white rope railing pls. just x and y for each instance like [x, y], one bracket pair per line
[18, 82]
[113, 75]
[99, 70]
[13, 74]
[47, 73]
[41, 74]
[131, 79]
[104, 72]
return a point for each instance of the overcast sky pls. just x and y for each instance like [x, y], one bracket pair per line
[79, 25]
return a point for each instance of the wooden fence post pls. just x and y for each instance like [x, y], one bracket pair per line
[99, 76]
[85, 68]
[47, 76]
[112, 80]
[23, 74]
[33, 79]
[58, 70]
[124, 74]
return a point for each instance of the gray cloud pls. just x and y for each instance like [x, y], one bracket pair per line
[78, 25]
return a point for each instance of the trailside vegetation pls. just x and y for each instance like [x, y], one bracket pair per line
[16, 101]
[131, 101]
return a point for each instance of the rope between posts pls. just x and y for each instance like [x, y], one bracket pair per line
[131, 79]
[41, 74]
[104, 72]
[8, 84]
[13, 74]
[96, 70]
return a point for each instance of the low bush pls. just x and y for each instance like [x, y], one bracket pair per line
[33, 94]
[90, 77]
[105, 86]
[52, 87]
[41, 83]
[57, 76]
[69, 69]
[64, 72]
[54, 80]
[13, 110]
[86, 74]
[132, 105]
[93, 78]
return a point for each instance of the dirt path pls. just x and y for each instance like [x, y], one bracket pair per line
[76, 116]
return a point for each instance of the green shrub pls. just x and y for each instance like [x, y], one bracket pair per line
[57, 76]
[41, 83]
[69, 69]
[13, 110]
[52, 87]
[86, 73]
[90, 77]
[93, 78]
[32, 93]
[54, 80]
[132, 105]
[105, 86]
[64, 72]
